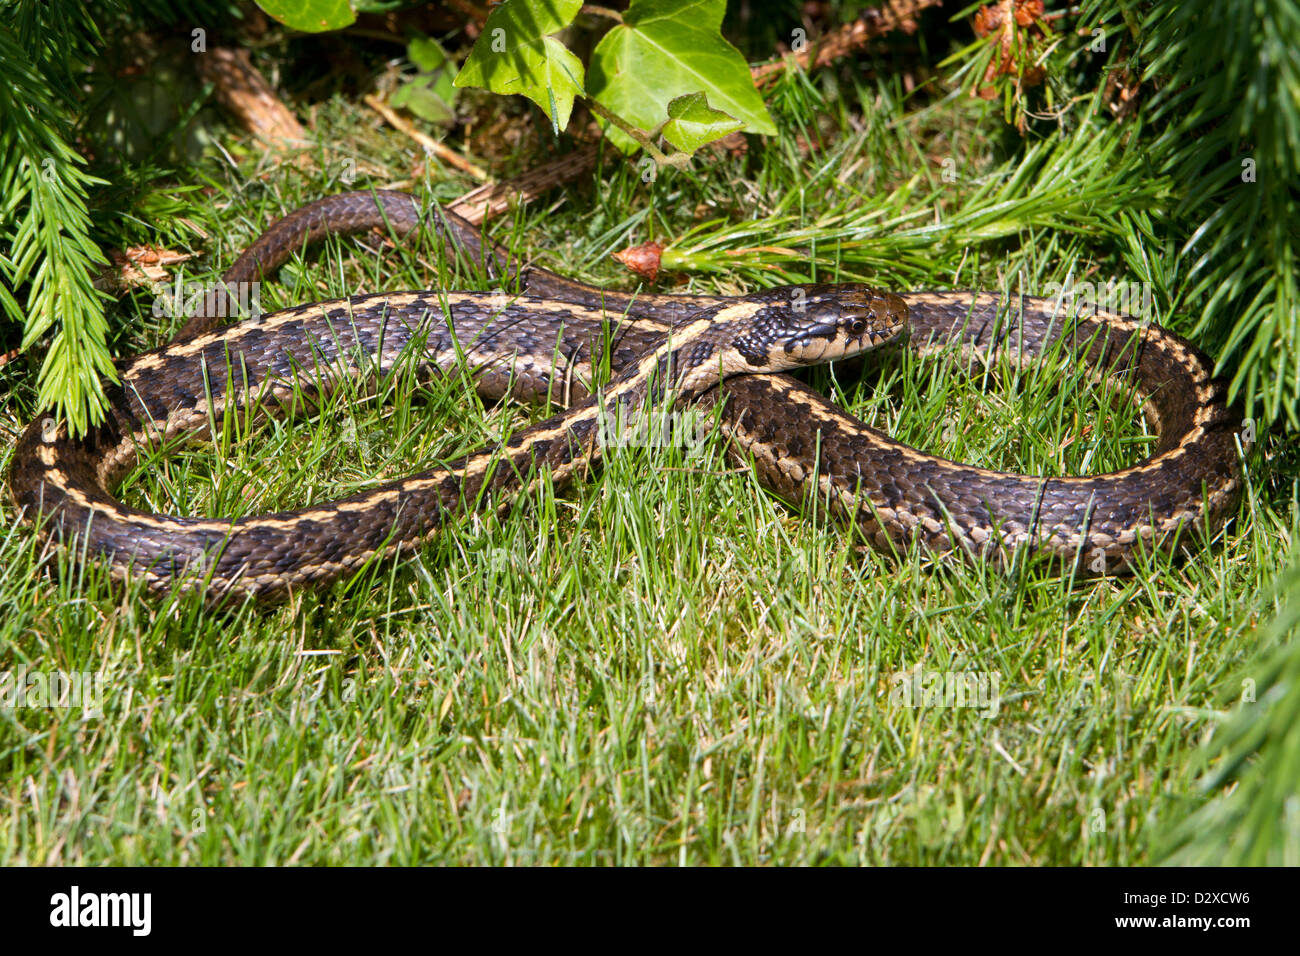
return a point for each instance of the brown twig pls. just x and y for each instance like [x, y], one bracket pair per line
[473, 11]
[874, 23]
[137, 266]
[492, 199]
[246, 94]
[430, 145]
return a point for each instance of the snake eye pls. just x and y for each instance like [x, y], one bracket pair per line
[857, 327]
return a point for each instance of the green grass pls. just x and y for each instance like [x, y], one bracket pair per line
[661, 664]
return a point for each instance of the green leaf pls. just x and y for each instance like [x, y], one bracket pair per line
[426, 54]
[418, 96]
[516, 54]
[311, 16]
[692, 123]
[665, 49]
[430, 94]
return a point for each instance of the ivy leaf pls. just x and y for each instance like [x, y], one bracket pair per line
[516, 54]
[426, 54]
[429, 94]
[311, 16]
[665, 49]
[693, 123]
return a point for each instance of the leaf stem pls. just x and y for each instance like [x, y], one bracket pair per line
[602, 12]
[644, 140]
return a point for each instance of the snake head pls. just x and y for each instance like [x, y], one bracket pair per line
[808, 324]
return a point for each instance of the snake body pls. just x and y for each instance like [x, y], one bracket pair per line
[663, 348]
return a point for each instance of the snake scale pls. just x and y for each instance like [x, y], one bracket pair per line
[661, 348]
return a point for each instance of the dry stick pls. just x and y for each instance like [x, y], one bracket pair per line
[246, 94]
[492, 199]
[431, 145]
[475, 13]
[874, 23]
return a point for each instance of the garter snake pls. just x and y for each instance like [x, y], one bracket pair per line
[663, 348]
